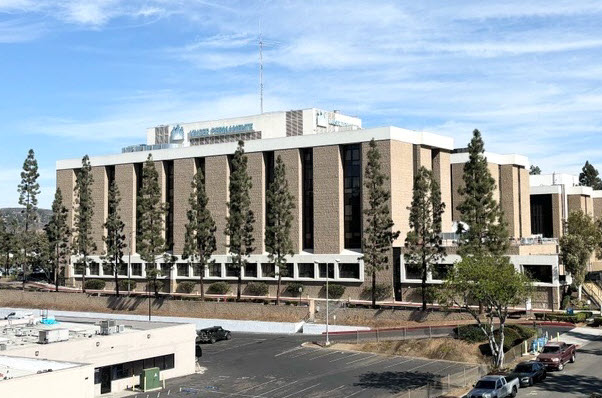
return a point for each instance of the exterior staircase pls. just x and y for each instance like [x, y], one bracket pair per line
[594, 291]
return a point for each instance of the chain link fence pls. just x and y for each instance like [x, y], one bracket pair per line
[437, 387]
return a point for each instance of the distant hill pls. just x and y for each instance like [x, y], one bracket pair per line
[10, 214]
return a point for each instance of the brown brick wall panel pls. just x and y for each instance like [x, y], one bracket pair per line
[384, 147]
[597, 202]
[509, 197]
[589, 205]
[424, 157]
[256, 169]
[99, 196]
[217, 176]
[402, 181]
[125, 178]
[574, 203]
[328, 200]
[557, 226]
[291, 159]
[494, 169]
[442, 174]
[525, 202]
[65, 180]
[184, 170]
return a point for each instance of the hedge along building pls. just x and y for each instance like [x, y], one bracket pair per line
[325, 156]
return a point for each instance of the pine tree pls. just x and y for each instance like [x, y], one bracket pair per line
[487, 231]
[378, 231]
[151, 243]
[199, 242]
[589, 177]
[423, 242]
[279, 203]
[28, 189]
[84, 245]
[115, 238]
[240, 219]
[59, 237]
[534, 170]
[6, 239]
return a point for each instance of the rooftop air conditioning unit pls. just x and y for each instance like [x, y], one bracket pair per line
[53, 336]
[3, 347]
[120, 328]
[108, 327]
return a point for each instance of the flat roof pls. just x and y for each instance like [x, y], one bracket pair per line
[13, 367]
[271, 144]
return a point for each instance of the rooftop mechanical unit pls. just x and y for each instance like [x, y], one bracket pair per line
[53, 336]
[110, 326]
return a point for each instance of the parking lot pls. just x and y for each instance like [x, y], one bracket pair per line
[266, 366]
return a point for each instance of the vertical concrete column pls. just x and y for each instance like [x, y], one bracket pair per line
[574, 204]
[525, 202]
[162, 186]
[494, 169]
[256, 169]
[125, 179]
[99, 196]
[442, 174]
[291, 158]
[457, 173]
[402, 181]
[328, 200]
[557, 227]
[589, 205]
[184, 171]
[597, 203]
[509, 197]
[65, 180]
[423, 157]
[217, 178]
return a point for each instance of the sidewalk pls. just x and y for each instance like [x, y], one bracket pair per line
[580, 336]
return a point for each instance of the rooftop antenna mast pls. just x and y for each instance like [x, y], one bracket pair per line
[260, 69]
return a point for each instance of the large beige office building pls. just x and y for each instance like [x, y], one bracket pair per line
[325, 155]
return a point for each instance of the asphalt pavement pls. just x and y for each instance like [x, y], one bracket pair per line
[578, 379]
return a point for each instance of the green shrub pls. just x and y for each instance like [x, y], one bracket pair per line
[335, 291]
[470, 334]
[219, 288]
[525, 332]
[155, 285]
[293, 288]
[95, 284]
[123, 284]
[566, 301]
[383, 291]
[511, 337]
[186, 287]
[258, 288]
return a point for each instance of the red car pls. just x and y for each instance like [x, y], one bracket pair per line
[556, 354]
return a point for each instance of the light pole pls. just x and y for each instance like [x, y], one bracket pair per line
[337, 261]
[300, 291]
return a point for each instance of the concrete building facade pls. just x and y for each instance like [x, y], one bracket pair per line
[325, 154]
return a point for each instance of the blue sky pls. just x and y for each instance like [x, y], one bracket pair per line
[89, 76]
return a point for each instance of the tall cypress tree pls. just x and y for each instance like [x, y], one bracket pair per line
[199, 241]
[378, 231]
[279, 203]
[84, 245]
[240, 219]
[589, 177]
[487, 232]
[59, 237]
[423, 242]
[115, 238]
[28, 189]
[5, 245]
[151, 245]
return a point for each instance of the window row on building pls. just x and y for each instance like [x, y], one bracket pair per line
[268, 271]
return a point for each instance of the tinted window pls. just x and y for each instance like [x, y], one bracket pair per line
[485, 384]
[524, 368]
[551, 350]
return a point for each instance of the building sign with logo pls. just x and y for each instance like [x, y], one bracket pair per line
[222, 130]
[177, 134]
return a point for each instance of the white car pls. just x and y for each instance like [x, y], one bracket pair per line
[494, 387]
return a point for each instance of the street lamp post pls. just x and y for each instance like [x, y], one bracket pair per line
[300, 291]
[337, 261]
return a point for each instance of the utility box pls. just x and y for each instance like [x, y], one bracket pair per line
[150, 379]
[53, 336]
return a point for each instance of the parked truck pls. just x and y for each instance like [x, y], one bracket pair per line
[495, 387]
[555, 355]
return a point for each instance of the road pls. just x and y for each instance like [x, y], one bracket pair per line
[578, 379]
[264, 366]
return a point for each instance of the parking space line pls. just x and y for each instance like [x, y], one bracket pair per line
[288, 351]
[447, 367]
[305, 389]
[335, 389]
[419, 366]
[324, 355]
[358, 360]
[355, 393]
[309, 351]
[399, 363]
[236, 346]
[259, 385]
[278, 388]
[346, 357]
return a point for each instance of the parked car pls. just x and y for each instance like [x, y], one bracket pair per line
[213, 334]
[529, 373]
[18, 315]
[494, 387]
[555, 355]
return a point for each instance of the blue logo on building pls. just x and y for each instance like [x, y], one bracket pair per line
[177, 133]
